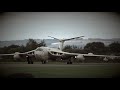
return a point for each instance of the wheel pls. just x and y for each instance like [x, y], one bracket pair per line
[68, 62]
[31, 62]
[44, 62]
[28, 61]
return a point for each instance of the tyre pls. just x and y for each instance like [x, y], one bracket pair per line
[68, 62]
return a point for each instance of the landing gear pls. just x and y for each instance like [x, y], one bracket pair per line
[70, 60]
[43, 62]
[30, 61]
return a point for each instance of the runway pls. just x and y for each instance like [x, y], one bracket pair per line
[54, 64]
[76, 70]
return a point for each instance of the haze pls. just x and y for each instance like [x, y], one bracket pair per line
[40, 25]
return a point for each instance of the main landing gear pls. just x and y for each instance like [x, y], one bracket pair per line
[43, 62]
[29, 60]
[70, 60]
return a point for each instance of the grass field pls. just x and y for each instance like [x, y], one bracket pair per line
[59, 70]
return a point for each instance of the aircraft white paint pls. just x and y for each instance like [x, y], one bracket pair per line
[63, 40]
[46, 53]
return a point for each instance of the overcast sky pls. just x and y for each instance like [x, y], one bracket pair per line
[40, 25]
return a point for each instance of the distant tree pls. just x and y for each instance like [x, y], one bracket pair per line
[95, 47]
[5, 49]
[42, 43]
[22, 48]
[72, 49]
[10, 49]
[31, 44]
[1, 50]
[13, 46]
[67, 48]
[75, 49]
[114, 47]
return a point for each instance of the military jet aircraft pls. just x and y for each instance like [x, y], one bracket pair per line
[63, 40]
[46, 53]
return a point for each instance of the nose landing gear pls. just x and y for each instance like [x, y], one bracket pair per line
[43, 62]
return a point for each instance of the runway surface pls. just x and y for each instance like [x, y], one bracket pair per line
[58, 65]
[62, 70]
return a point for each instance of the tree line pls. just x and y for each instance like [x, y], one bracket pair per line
[93, 47]
[31, 44]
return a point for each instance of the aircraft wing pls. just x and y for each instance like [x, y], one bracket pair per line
[72, 38]
[100, 55]
[61, 53]
[91, 55]
[12, 54]
[6, 54]
[29, 52]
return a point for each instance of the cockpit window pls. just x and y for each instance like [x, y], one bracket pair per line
[39, 49]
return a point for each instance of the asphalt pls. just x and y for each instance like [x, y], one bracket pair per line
[55, 65]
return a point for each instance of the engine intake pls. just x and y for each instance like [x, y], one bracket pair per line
[16, 56]
[80, 57]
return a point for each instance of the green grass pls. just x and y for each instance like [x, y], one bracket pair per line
[57, 70]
